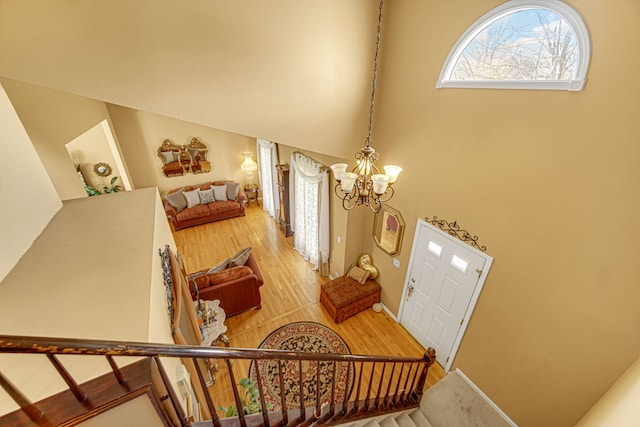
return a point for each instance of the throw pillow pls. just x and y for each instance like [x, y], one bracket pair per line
[232, 190]
[229, 274]
[177, 200]
[206, 196]
[241, 257]
[358, 274]
[220, 266]
[220, 192]
[193, 198]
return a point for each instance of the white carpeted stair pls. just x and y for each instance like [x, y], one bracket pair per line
[451, 402]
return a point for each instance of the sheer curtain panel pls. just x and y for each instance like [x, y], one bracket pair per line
[268, 159]
[309, 194]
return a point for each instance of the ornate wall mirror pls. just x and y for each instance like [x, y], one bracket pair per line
[388, 228]
[102, 169]
[180, 159]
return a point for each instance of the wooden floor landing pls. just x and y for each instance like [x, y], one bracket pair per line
[291, 291]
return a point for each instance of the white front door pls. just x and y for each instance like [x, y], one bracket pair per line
[443, 282]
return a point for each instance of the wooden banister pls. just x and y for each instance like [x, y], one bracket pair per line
[390, 383]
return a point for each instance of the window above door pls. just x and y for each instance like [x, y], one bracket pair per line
[521, 44]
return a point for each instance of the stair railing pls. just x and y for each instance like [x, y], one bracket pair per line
[380, 384]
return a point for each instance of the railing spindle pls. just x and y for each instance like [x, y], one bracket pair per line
[367, 399]
[80, 395]
[116, 370]
[236, 395]
[207, 396]
[356, 404]
[317, 413]
[385, 398]
[395, 394]
[345, 401]
[25, 404]
[171, 392]
[376, 402]
[414, 379]
[332, 404]
[301, 387]
[283, 400]
[263, 405]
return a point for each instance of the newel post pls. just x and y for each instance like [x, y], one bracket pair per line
[429, 359]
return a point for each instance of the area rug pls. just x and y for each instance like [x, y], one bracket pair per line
[310, 337]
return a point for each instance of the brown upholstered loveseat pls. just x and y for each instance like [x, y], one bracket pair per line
[237, 287]
[190, 205]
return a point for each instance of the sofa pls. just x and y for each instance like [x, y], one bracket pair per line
[235, 283]
[199, 204]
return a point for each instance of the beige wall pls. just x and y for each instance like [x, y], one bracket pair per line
[140, 135]
[283, 70]
[619, 406]
[547, 180]
[52, 119]
[23, 215]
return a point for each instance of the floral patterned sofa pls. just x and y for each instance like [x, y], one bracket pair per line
[199, 204]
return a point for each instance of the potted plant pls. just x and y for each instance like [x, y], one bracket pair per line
[249, 397]
[91, 191]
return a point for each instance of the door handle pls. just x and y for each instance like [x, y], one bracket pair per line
[409, 291]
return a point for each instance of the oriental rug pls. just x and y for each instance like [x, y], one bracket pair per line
[303, 337]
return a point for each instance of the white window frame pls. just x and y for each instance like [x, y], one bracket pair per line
[569, 14]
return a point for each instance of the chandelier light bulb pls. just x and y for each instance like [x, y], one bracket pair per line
[392, 171]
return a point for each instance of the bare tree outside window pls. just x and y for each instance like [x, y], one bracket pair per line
[533, 44]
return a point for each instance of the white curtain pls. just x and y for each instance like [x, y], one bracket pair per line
[268, 159]
[309, 197]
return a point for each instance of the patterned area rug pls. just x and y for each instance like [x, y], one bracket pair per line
[303, 336]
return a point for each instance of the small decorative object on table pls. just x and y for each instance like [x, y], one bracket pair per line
[211, 318]
[251, 191]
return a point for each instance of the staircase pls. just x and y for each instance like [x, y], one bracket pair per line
[451, 402]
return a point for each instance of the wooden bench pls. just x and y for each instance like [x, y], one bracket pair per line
[344, 297]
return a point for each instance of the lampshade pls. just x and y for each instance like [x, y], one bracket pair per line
[248, 165]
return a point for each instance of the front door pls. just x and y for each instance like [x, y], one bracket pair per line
[443, 282]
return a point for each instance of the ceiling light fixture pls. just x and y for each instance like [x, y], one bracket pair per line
[365, 185]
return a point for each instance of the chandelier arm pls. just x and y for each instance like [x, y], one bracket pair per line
[375, 204]
[390, 191]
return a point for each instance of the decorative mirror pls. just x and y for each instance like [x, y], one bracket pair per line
[180, 159]
[388, 228]
[102, 169]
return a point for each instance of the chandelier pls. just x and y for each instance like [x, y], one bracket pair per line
[365, 185]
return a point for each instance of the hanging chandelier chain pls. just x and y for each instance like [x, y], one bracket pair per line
[365, 185]
[375, 75]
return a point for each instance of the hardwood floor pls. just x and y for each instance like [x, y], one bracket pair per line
[291, 290]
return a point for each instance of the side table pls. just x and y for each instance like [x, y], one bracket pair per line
[251, 191]
[211, 319]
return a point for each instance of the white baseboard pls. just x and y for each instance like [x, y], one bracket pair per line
[486, 398]
[393, 316]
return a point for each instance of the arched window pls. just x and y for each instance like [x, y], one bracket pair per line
[521, 44]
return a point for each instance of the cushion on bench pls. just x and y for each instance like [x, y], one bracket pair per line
[344, 297]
